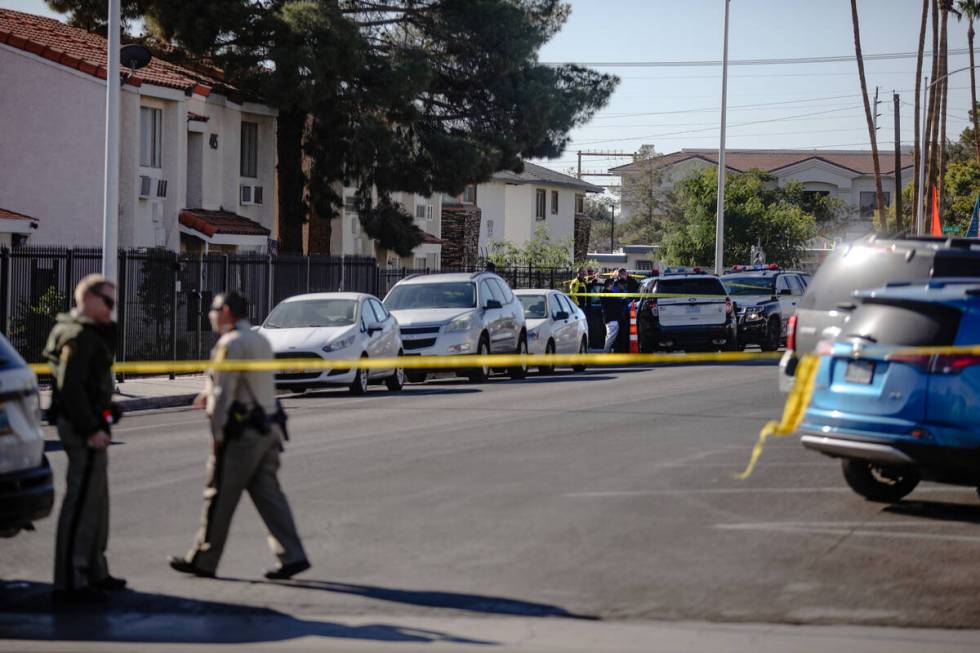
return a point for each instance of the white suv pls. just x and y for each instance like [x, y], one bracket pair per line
[26, 486]
[459, 314]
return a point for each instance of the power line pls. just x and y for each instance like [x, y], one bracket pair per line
[750, 62]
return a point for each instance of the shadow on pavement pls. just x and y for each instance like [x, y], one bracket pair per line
[414, 389]
[549, 378]
[938, 510]
[55, 445]
[26, 613]
[434, 599]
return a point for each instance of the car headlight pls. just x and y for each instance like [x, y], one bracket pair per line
[753, 315]
[461, 323]
[337, 345]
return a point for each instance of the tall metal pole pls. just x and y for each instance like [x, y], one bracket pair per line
[612, 228]
[110, 206]
[920, 204]
[720, 225]
[898, 160]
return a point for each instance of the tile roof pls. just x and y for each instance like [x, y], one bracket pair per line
[7, 214]
[535, 174]
[857, 161]
[429, 239]
[75, 48]
[210, 223]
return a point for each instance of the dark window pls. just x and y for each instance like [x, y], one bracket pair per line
[250, 149]
[580, 203]
[503, 289]
[540, 201]
[907, 325]
[746, 286]
[489, 291]
[151, 137]
[868, 202]
[469, 195]
[690, 286]
[554, 201]
[795, 284]
[534, 306]
[431, 295]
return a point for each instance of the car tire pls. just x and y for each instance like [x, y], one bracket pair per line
[878, 483]
[396, 381]
[359, 385]
[773, 335]
[733, 344]
[549, 349]
[414, 376]
[480, 374]
[520, 372]
[582, 349]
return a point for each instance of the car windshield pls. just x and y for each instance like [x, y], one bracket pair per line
[431, 295]
[312, 313]
[534, 306]
[748, 285]
[691, 286]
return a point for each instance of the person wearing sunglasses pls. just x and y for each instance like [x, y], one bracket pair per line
[81, 349]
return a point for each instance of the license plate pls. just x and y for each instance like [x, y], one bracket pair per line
[859, 372]
[693, 308]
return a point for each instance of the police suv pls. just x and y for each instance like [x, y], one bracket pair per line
[766, 298]
[693, 311]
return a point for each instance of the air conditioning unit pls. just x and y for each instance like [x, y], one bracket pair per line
[246, 194]
[145, 186]
[257, 194]
[161, 187]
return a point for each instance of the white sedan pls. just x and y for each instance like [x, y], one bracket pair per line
[554, 325]
[334, 326]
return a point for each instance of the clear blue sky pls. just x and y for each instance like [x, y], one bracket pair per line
[667, 30]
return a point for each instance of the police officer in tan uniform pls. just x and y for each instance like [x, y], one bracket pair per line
[246, 443]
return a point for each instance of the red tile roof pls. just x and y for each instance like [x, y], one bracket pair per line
[86, 52]
[210, 223]
[429, 239]
[858, 161]
[7, 214]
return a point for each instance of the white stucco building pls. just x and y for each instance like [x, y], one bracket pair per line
[197, 163]
[514, 205]
[844, 174]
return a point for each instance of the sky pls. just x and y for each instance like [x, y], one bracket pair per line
[769, 106]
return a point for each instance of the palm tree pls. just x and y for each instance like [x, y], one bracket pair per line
[970, 9]
[918, 107]
[879, 196]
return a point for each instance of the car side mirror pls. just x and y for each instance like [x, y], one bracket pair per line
[374, 327]
[561, 315]
[493, 303]
[785, 291]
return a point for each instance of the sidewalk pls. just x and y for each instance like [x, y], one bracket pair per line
[147, 393]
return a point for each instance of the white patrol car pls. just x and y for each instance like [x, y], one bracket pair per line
[696, 313]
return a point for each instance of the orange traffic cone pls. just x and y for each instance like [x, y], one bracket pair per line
[634, 336]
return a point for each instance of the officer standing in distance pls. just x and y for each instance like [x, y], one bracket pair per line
[81, 349]
[247, 437]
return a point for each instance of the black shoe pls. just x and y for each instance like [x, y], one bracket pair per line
[110, 584]
[84, 596]
[181, 565]
[285, 572]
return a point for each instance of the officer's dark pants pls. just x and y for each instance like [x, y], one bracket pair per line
[247, 463]
[83, 525]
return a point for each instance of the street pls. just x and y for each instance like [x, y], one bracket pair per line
[608, 496]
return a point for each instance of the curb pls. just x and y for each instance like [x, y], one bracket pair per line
[151, 403]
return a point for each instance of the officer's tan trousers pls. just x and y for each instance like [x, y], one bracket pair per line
[83, 525]
[248, 463]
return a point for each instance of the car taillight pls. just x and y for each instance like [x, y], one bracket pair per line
[954, 364]
[920, 361]
[728, 305]
[654, 309]
[791, 333]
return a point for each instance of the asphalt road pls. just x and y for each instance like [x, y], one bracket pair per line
[608, 495]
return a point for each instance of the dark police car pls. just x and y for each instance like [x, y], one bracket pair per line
[693, 311]
[766, 297]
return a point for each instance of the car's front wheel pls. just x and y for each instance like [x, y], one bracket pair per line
[359, 385]
[519, 371]
[771, 343]
[582, 349]
[877, 482]
[482, 373]
[396, 381]
[549, 349]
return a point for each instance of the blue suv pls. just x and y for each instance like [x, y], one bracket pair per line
[896, 416]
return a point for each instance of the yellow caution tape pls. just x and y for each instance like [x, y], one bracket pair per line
[793, 412]
[423, 362]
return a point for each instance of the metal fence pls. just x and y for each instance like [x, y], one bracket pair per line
[164, 296]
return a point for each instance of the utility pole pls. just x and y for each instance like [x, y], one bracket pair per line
[110, 206]
[720, 207]
[898, 164]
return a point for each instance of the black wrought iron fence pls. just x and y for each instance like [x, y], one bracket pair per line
[164, 296]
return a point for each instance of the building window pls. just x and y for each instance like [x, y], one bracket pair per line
[580, 203]
[250, 149]
[469, 195]
[540, 200]
[355, 225]
[868, 203]
[151, 137]
[644, 265]
[350, 204]
[554, 202]
[489, 228]
[420, 211]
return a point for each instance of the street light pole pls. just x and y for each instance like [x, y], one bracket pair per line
[110, 206]
[720, 209]
[920, 222]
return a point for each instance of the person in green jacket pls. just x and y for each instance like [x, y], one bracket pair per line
[81, 349]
